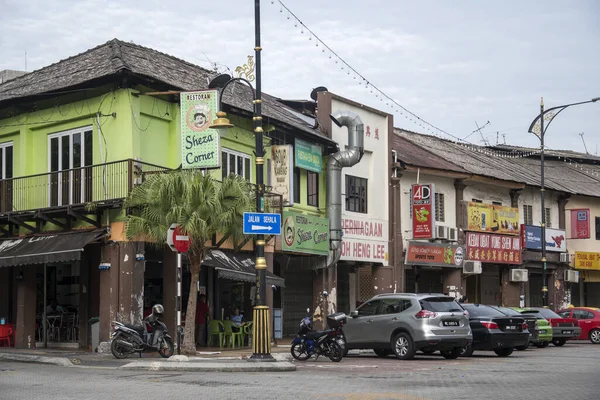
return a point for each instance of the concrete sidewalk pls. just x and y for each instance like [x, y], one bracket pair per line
[206, 360]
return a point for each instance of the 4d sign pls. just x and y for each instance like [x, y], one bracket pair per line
[423, 205]
[200, 145]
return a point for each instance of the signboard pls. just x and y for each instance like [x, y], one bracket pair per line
[492, 218]
[580, 223]
[308, 156]
[262, 224]
[587, 260]
[305, 234]
[200, 145]
[423, 211]
[177, 240]
[364, 239]
[494, 249]
[434, 254]
[282, 173]
[532, 238]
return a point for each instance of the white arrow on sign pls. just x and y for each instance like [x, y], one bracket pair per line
[260, 228]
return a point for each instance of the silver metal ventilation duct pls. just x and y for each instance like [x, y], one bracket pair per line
[335, 163]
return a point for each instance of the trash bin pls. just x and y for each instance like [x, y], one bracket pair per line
[95, 324]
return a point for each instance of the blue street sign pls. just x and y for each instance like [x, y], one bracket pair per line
[262, 224]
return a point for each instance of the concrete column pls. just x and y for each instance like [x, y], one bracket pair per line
[562, 205]
[4, 292]
[396, 239]
[109, 289]
[461, 218]
[131, 283]
[84, 278]
[511, 291]
[453, 282]
[352, 290]
[269, 292]
[318, 306]
[170, 290]
[382, 280]
[558, 295]
[26, 302]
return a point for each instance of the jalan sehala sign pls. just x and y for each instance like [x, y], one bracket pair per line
[305, 234]
[200, 145]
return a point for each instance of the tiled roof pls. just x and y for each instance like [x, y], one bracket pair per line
[116, 56]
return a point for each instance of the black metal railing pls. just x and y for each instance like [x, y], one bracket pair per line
[90, 184]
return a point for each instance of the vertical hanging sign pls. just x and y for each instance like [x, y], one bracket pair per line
[423, 211]
[580, 223]
[282, 173]
[200, 145]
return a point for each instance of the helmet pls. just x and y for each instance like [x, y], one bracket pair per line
[305, 326]
[157, 309]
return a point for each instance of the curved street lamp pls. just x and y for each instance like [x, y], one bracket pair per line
[537, 128]
[261, 338]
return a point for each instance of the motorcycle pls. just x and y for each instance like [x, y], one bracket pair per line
[329, 343]
[128, 339]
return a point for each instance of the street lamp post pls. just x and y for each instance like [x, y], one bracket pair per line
[261, 337]
[537, 128]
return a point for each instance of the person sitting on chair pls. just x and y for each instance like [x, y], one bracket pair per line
[236, 318]
[54, 308]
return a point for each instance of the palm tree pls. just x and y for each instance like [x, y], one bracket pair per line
[202, 206]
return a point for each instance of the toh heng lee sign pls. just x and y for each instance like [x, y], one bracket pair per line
[495, 249]
[364, 240]
[423, 211]
[200, 145]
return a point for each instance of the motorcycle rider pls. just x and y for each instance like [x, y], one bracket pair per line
[156, 315]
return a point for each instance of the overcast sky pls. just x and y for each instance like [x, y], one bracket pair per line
[453, 63]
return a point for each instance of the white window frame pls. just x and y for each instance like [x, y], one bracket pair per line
[3, 147]
[59, 135]
[229, 152]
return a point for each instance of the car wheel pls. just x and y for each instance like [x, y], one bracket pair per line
[452, 354]
[559, 342]
[594, 336]
[504, 352]
[541, 345]
[521, 348]
[403, 346]
[428, 350]
[466, 351]
[382, 352]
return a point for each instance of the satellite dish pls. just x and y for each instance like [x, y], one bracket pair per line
[313, 94]
[219, 81]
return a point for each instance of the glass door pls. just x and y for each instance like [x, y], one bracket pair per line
[6, 173]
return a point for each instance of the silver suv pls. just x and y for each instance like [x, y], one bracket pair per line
[403, 323]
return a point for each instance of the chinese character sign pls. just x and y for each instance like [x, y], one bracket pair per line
[580, 223]
[587, 260]
[423, 217]
[495, 249]
[200, 145]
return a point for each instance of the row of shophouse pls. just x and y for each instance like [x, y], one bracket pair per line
[419, 213]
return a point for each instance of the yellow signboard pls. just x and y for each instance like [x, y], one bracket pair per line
[492, 218]
[587, 260]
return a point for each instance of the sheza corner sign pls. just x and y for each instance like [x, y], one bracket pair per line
[200, 145]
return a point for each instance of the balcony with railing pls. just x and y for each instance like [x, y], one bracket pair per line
[61, 197]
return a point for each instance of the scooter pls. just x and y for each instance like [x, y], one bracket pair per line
[128, 339]
[329, 343]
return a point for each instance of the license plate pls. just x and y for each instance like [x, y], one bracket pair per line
[510, 328]
[567, 332]
[450, 323]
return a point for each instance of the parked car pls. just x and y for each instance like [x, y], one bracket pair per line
[494, 330]
[403, 323]
[544, 336]
[530, 320]
[563, 329]
[588, 319]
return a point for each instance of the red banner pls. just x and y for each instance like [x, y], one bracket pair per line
[580, 223]
[495, 249]
[423, 211]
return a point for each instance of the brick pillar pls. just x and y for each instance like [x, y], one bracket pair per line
[170, 290]
[131, 283]
[511, 291]
[26, 302]
[109, 289]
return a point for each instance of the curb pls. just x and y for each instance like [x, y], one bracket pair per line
[63, 362]
[210, 367]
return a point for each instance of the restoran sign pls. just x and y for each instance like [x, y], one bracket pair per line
[555, 238]
[364, 240]
[200, 145]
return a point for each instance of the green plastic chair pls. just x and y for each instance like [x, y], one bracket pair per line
[215, 328]
[231, 336]
[247, 329]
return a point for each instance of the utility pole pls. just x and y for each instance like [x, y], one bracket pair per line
[583, 140]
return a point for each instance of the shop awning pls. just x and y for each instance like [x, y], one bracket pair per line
[39, 249]
[238, 267]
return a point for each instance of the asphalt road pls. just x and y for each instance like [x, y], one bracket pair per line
[571, 372]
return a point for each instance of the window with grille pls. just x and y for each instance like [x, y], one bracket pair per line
[440, 215]
[497, 203]
[527, 214]
[597, 228]
[476, 201]
[235, 163]
[548, 218]
[312, 179]
[356, 194]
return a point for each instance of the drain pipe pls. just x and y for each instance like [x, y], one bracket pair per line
[335, 163]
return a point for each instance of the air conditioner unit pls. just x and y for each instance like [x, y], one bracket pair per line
[441, 232]
[518, 275]
[472, 267]
[571, 276]
[453, 234]
[565, 258]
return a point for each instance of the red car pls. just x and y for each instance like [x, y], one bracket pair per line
[588, 319]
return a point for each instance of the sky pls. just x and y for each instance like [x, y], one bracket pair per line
[455, 64]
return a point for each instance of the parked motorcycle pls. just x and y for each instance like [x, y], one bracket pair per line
[128, 339]
[329, 343]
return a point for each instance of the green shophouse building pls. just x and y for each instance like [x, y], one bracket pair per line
[75, 138]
